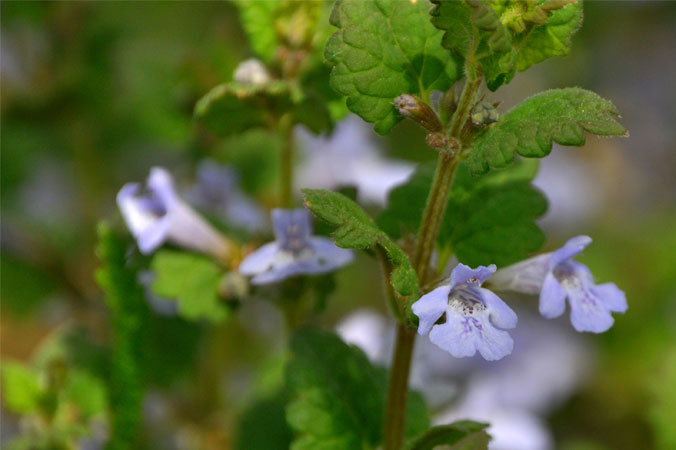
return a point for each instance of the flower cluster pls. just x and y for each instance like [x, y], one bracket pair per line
[475, 318]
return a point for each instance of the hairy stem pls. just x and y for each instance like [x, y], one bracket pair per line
[437, 199]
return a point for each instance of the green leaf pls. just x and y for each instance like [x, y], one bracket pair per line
[464, 434]
[193, 281]
[382, 49]
[494, 50]
[488, 220]
[129, 316]
[262, 425]
[337, 396]
[86, 392]
[551, 39]
[20, 387]
[231, 108]
[560, 115]
[355, 229]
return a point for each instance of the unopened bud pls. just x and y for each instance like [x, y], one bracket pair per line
[442, 143]
[251, 72]
[484, 113]
[414, 108]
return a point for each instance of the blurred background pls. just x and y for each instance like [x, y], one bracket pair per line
[94, 94]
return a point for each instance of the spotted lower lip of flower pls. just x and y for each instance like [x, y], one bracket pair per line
[294, 251]
[158, 215]
[555, 276]
[475, 317]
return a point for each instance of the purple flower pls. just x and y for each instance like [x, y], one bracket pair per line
[474, 316]
[294, 251]
[557, 277]
[157, 215]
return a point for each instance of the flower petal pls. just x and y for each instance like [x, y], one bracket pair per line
[493, 344]
[260, 261]
[456, 336]
[552, 297]
[526, 276]
[611, 296]
[587, 313]
[328, 255]
[501, 315]
[430, 307]
[571, 248]
[462, 273]
[153, 236]
[161, 184]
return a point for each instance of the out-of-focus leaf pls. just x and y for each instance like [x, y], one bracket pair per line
[337, 396]
[192, 281]
[263, 426]
[20, 388]
[462, 435]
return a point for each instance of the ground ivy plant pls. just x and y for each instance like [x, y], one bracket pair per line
[450, 240]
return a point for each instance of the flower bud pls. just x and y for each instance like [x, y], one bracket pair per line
[414, 108]
[251, 72]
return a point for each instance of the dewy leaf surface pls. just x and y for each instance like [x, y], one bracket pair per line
[355, 229]
[192, 281]
[559, 115]
[489, 219]
[382, 49]
[338, 397]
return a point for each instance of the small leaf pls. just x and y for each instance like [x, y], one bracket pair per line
[560, 115]
[86, 392]
[193, 281]
[464, 434]
[20, 388]
[488, 220]
[551, 39]
[356, 230]
[258, 20]
[337, 396]
[231, 108]
[382, 49]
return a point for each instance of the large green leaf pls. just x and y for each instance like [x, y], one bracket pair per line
[382, 49]
[560, 115]
[355, 229]
[464, 434]
[192, 281]
[489, 219]
[338, 397]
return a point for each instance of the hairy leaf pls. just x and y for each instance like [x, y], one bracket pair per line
[192, 281]
[338, 397]
[560, 115]
[464, 434]
[355, 229]
[382, 49]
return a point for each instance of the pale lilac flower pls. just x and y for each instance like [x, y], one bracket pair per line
[157, 215]
[349, 157]
[475, 316]
[294, 251]
[217, 190]
[557, 277]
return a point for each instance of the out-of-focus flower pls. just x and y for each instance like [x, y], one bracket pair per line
[294, 251]
[158, 215]
[349, 158]
[559, 277]
[217, 190]
[475, 316]
[251, 71]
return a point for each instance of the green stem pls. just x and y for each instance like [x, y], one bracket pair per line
[437, 199]
[286, 169]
